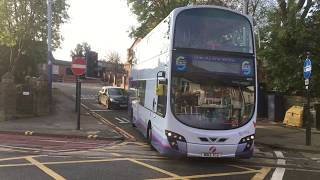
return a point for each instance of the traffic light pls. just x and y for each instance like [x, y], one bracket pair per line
[92, 64]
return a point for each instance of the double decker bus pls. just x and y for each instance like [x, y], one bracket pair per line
[194, 82]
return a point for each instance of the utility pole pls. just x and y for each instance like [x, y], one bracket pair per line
[49, 16]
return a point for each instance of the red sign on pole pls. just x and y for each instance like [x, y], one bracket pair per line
[78, 66]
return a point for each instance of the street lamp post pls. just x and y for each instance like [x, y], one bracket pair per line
[49, 16]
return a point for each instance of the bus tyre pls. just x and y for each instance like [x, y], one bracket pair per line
[149, 137]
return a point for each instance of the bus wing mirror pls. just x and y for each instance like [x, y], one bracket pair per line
[160, 90]
[163, 81]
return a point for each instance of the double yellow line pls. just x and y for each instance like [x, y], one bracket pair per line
[45, 169]
[115, 127]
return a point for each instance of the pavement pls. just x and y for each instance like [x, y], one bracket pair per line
[62, 122]
[279, 136]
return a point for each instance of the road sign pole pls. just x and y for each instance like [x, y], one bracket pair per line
[78, 68]
[307, 68]
[308, 121]
[77, 87]
[79, 103]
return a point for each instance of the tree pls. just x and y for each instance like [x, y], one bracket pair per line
[81, 49]
[113, 57]
[286, 39]
[23, 30]
[150, 12]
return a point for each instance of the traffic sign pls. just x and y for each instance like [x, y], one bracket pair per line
[307, 67]
[78, 66]
[306, 82]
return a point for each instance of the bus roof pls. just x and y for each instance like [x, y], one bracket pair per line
[176, 11]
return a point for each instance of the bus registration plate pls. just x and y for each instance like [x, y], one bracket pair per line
[210, 154]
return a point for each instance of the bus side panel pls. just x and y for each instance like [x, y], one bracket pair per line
[152, 56]
[140, 122]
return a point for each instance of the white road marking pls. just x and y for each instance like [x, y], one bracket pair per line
[279, 154]
[100, 110]
[280, 157]
[122, 120]
[87, 96]
[279, 172]
[257, 150]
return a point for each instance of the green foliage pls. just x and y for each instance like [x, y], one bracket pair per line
[23, 33]
[287, 30]
[113, 57]
[81, 49]
[286, 39]
[150, 12]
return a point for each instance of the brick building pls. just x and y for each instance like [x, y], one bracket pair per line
[61, 71]
[130, 60]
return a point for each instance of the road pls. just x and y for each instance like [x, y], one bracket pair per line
[59, 158]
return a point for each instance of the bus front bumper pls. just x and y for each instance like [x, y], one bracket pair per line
[220, 150]
[207, 151]
[180, 149]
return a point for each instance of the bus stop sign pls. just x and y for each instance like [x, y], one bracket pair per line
[307, 67]
[78, 66]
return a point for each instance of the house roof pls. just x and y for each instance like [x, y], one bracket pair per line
[61, 62]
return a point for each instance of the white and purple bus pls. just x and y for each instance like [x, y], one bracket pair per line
[194, 78]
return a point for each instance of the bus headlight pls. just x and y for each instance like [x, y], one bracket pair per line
[174, 138]
[247, 143]
[247, 139]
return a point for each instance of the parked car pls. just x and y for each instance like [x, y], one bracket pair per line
[113, 97]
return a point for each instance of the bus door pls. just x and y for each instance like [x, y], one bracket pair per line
[160, 100]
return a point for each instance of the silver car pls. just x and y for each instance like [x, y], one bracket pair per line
[113, 97]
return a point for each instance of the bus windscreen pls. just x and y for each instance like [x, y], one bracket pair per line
[213, 29]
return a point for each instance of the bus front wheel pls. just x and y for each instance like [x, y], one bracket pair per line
[149, 136]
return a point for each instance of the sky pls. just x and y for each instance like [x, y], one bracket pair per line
[103, 24]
